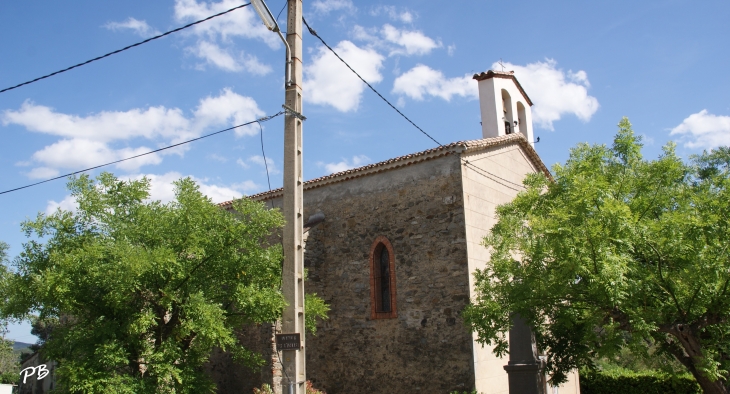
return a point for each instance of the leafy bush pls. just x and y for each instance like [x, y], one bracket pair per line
[265, 389]
[629, 382]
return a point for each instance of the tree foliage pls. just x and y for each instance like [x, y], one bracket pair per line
[9, 363]
[616, 251]
[143, 291]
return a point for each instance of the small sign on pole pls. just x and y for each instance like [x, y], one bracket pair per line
[288, 341]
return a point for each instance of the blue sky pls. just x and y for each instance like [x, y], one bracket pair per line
[664, 64]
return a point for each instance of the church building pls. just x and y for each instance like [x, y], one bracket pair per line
[394, 257]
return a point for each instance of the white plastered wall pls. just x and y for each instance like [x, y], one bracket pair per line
[501, 171]
[490, 103]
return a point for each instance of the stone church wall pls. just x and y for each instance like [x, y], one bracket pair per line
[426, 348]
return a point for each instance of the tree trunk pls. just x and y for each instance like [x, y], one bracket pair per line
[690, 355]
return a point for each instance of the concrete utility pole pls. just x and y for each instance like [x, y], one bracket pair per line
[293, 275]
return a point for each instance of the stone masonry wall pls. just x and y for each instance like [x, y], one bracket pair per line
[426, 348]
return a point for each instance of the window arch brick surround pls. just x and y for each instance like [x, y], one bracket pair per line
[382, 280]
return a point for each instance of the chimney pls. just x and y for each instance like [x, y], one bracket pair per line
[504, 105]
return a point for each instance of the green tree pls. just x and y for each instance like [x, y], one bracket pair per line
[615, 251]
[143, 291]
[9, 363]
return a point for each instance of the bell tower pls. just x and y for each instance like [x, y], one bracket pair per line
[504, 105]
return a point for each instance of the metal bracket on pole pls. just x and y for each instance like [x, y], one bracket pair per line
[291, 112]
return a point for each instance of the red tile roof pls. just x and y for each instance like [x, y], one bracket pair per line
[505, 75]
[401, 161]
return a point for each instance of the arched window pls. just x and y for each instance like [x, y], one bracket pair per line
[507, 111]
[522, 118]
[382, 280]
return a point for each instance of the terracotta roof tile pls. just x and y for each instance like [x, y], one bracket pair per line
[459, 147]
[505, 75]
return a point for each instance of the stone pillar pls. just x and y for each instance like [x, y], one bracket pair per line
[524, 369]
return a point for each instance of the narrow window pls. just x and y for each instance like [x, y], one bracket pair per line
[382, 279]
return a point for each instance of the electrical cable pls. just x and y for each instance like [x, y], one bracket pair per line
[491, 176]
[466, 163]
[314, 33]
[282, 10]
[124, 49]
[264, 119]
[266, 165]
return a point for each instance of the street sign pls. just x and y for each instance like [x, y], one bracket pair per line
[288, 341]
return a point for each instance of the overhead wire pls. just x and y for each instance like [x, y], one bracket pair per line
[466, 162]
[266, 165]
[264, 119]
[124, 49]
[314, 33]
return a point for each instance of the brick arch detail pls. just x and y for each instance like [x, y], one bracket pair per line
[382, 240]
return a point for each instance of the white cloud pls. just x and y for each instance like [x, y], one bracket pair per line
[215, 36]
[140, 28]
[224, 59]
[365, 34]
[327, 6]
[67, 204]
[43, 173]
[345, 164]
[162, 189]
[239, 23]
[704, 130]
[422, 80]
[269, 164]
[91, 140]
[410, 42]
[451, 49]
[217, 157]
[254, 66]
[554, 92]
[329, 82]
[396, 41]
[215, 56]
[242, 163]
[403, 15]
[226, 109]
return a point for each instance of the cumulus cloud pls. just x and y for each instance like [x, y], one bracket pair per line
[326, 6]
[345, 164]
[215, 55]
[67, 204]
[704, 130]
[226, 60]
[214, 44]
[94, 139]
[329, 82]
[138, 27]
[402, 15]
[409, 42]
[268, 164]
[554, 92]
[42, 173]
[396, 41]
[422, 81]
[162, 189]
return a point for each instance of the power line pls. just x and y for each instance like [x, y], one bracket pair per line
[266, 165]
[264, 119]
[314, 33]
[123, 49]
[466, 163]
